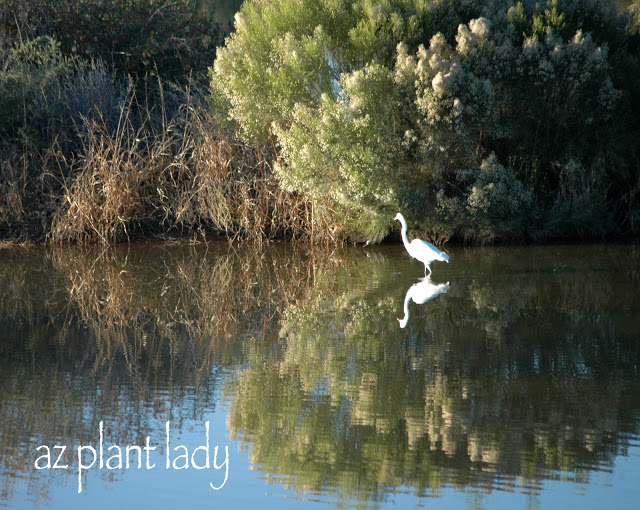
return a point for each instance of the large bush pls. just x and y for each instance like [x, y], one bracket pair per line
[474, 118]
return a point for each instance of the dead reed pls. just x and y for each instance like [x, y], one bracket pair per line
[171, 170]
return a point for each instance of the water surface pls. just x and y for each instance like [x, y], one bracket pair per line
[511, 379]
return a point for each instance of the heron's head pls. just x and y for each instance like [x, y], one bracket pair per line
[398, 217]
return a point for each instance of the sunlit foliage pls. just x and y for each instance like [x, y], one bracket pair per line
[468, 116]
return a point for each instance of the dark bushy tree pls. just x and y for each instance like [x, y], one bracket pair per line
[170, 37]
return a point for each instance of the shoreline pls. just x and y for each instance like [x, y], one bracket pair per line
[390, 240]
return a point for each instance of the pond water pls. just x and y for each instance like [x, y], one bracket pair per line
[212, 376]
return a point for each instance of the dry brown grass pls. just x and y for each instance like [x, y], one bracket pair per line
[94, 161]
[160, 173]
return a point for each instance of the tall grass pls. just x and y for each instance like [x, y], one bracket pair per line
[90, 160]
[171, 170]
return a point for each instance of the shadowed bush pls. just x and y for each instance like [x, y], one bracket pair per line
[136, 37]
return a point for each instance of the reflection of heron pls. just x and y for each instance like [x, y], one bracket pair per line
[420, 293]
[421, 250]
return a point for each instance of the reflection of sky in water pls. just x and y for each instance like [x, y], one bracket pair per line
[530, 352]
[246, 487]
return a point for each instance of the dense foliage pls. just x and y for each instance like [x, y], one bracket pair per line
[168, 37]
[480, 120]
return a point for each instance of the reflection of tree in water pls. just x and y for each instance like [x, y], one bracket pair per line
[343, 402]
[129, 336]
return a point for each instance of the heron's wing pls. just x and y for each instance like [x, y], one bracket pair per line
[424, 245]
[423, 249]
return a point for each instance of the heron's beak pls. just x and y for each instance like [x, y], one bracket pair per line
[398, 319]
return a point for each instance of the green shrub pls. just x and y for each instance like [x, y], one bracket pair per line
[498, 204]
[380, 106]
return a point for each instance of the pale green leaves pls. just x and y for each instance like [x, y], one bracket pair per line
[459, 113]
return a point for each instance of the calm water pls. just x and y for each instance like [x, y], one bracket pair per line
[512, 379]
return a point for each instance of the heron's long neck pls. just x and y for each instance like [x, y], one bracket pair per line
[405, 319]
[403, 233]
[407, 299]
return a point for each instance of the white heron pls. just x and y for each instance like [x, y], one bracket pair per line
[421, 250]
[420, 293]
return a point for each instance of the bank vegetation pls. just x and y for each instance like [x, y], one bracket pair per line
[318, 120]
